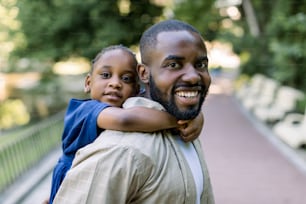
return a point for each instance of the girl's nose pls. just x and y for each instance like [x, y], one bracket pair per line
[115, 82]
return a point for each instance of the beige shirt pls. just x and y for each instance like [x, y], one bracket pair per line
[132, 167]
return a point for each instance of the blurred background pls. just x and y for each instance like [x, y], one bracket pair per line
[46, 47]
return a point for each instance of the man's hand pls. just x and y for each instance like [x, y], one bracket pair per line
[191, 129]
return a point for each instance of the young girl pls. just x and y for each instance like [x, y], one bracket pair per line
[112, 80]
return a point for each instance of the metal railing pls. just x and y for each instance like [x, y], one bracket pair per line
[18, 156]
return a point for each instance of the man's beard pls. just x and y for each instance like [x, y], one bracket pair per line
[171, 106]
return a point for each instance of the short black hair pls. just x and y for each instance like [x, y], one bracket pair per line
[148, 39]
[114, 47]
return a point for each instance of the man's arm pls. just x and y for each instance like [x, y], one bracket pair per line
[138, 119]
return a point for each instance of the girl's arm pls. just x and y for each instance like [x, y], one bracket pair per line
[138, 119]
[191, 129]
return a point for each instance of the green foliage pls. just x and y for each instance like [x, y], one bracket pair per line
[258, 58]
[289, 51]
[56, 29]
[301, 106]
[263, 12]
[201, 14]
[287, 42]
[13, 113]
[8, 26]
[279, 51]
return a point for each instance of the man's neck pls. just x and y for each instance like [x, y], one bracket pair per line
[145, 93]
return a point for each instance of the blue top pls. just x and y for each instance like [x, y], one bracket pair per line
[80, 124]
[80, 129]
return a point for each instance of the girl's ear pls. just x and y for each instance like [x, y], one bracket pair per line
[87, 83]
[143, 73]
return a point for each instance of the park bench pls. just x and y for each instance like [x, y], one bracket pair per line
[264, 97]
[292, 130]
[284, 102]
[250, 88]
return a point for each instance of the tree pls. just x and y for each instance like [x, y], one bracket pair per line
[55, 29]
[278, 51]
[8, 26]
[287, 43]
[201, 14]
[252, 44]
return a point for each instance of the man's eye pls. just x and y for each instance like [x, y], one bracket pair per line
[201, 65]
[173, 65]
[105, 75]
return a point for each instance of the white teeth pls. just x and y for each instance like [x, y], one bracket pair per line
[187, 94]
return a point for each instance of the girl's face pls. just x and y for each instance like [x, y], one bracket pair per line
[113, 79]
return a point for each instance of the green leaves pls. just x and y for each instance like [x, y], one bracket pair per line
[56, 29]
[201, 14]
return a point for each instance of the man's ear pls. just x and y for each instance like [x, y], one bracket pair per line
[87, 83]
[143, 73]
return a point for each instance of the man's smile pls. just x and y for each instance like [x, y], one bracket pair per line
[187, 94]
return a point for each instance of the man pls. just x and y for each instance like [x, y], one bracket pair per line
[156, 168]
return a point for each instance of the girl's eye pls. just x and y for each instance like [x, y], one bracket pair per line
[106, 75]
[128, 79]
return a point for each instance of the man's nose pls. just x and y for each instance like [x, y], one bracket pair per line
[191, 75]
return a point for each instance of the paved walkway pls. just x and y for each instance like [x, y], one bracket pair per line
[247, 163]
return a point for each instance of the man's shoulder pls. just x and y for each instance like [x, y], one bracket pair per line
[139, 141]
[140, 145]
[141, 101]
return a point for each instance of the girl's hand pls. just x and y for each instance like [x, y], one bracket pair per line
[191, 129]
[45, 201]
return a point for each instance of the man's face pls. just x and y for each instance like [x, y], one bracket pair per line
[179, 77]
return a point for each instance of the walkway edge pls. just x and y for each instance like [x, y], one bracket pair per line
[24, 185]
[287, 151]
